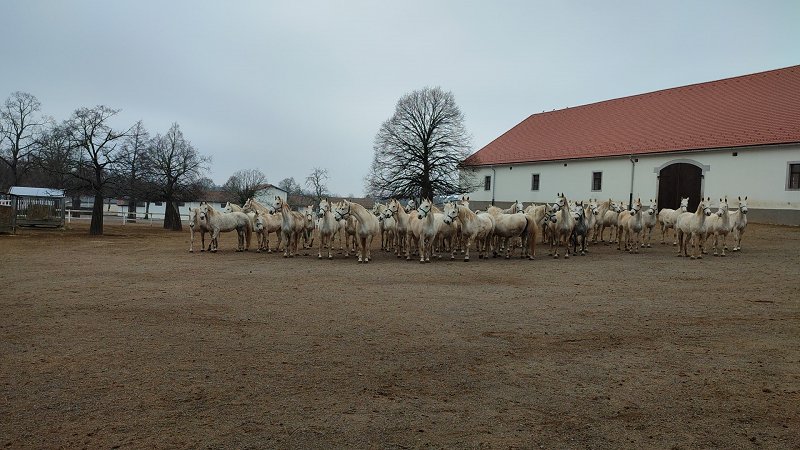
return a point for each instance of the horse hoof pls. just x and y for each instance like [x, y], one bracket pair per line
[649, 246]
[722, 254]
[285, 256]
[191, 251]
[202, 250]
[422, 261]
[319, 256]
[330, 257]
[700, 257]
[692, 257]
[582, 254]
[466, 259]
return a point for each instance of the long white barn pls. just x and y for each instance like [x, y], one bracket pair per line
[733, 137]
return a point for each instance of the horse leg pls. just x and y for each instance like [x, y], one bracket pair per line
[191, 240]
[214, 242]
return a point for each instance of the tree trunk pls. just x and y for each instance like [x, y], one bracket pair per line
[132, 209]
[147, 210]
[96, 228]
[172, 218]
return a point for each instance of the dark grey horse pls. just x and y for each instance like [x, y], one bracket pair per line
[581, 229]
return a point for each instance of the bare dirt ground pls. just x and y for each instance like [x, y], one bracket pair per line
[127, 340]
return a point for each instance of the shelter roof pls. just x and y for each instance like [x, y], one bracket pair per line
[24, 191]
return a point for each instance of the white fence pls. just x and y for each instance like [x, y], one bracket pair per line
[122, 216]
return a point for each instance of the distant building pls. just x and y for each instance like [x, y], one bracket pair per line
[732, 137]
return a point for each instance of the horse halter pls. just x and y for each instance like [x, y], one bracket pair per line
[420, 212]
[448, 219]
[339, 215]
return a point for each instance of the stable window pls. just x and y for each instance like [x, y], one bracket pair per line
[222, 205]
[158, 203]
[793, 179]
[597, 181]
[181, 204]
[535, 182]
[487, 183]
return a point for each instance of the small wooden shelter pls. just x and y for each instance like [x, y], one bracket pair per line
[34, 206]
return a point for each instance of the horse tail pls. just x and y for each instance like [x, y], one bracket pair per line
[532, 230]
[248, 231]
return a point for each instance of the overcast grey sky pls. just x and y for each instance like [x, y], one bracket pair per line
[290, 85]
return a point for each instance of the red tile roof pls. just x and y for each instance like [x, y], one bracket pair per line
[757, 109]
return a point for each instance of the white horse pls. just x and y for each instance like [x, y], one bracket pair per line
[565, 222]
[474, 227]
[692, 226]
[508, 226]
[738, 224]
[422, 229]
[389, 234]
[649, 219]
[308, 226]
[366, 230]
[667, 217]
[197, 226]
[402, 220]
[607, 217]
[219, 221]
[267, 221]
[327, 226]
[719, 224]
[292, 225]
[631, 225]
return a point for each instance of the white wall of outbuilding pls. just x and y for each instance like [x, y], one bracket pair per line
[760, 173]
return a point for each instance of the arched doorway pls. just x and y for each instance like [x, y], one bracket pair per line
[679, 180]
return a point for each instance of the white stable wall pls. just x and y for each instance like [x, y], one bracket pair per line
[760, 173]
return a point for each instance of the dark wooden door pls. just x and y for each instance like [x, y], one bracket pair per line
[676, 181]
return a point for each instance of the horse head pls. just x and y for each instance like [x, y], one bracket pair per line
[685, 203]
[653, 210]
[386, 214]
[562, 201]
[259, 222]
[450, 212]
[323, 207]
[704, 206]
[517, 207]
[342, 210]
[412, 205]
[424, 209]
[636, 206]
[723, 207]
[743, 205]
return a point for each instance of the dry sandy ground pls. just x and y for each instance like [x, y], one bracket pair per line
[127, 340]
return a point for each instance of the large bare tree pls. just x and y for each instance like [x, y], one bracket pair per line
[244, 184]
[176, 168]
[418, 150]
[19, 126]
[97, 152]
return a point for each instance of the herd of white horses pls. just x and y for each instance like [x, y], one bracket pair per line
[427, 231]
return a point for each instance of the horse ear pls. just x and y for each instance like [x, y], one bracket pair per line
[745, 197]
[740, 198]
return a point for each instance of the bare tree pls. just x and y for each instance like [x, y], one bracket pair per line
[419, 149]
[244, 184]
[19, 127]
[316, 183]
[176, 168]
[55, 158]
[290, 186]
[96, 143]
[133, 166]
